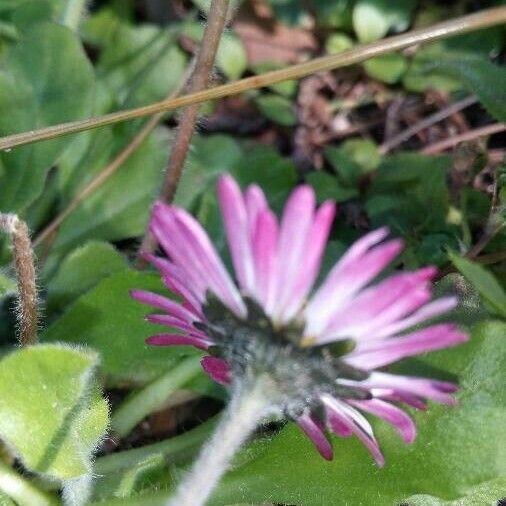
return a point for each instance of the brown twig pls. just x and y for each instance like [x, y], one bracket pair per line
[199, 80]
[471, 135]
[25, 273]
[464, 24]
[427, 122]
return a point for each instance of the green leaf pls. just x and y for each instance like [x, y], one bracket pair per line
[264, 166]
[38, 87]
[409, 192]
[486, 494]
[373, 19]
[209, 156]
[484, 282]
[277, 108]
[7, 285]
[363, 152]
[387, 68]
[81, 270]
[52, 415]
[328, 187]
[337, 43]
[479, 76]
[140, 64]
[109, 320]
[456, 448]
[119, 209]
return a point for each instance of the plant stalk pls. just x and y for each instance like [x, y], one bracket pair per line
[199, 80]
[27, 311]
[248, 405]
[457, 26]
[21, 490]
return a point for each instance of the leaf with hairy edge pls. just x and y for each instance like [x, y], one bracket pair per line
[38, 84]
[51, 413]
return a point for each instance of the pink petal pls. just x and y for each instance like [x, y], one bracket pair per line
[175, 339]
[176, 281]
[391, 414]
[380, 353]
[379, 305]
[346, 279]
[355, 422]
[336, 425]
[427, 312]
[176, 323]
[217, 369]
[310, 259]
[189, 247]
[255, 204]
[438, 391]
[235, 219]
[173, 308]
[293, 238]
[316, 434]
[265, 243]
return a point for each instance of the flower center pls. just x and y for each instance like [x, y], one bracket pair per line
[253, 347]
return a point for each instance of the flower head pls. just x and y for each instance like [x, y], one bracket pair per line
[321, 348]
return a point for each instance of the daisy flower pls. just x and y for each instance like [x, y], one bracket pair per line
[321, 350]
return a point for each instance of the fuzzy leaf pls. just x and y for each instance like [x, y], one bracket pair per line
[51, 415]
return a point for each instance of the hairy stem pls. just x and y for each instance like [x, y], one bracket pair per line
[248, 405]
[25, 274]
[464, 24]
[199, 80]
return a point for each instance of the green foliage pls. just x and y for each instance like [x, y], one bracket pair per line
[277, 108]
[81, 270]
[52, 414]
[479, 76]
[388, 68]
[107, 319]
[373, 19]
[38, 86]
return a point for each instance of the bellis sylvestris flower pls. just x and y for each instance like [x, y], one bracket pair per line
[323, 347]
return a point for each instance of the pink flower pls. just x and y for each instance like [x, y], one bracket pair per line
[272, 320]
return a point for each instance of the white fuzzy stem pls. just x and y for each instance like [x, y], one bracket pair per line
[248, 405]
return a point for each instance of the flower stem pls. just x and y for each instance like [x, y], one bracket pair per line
[199, 80]
[25, 273]
[464, 24]
[248, 405]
